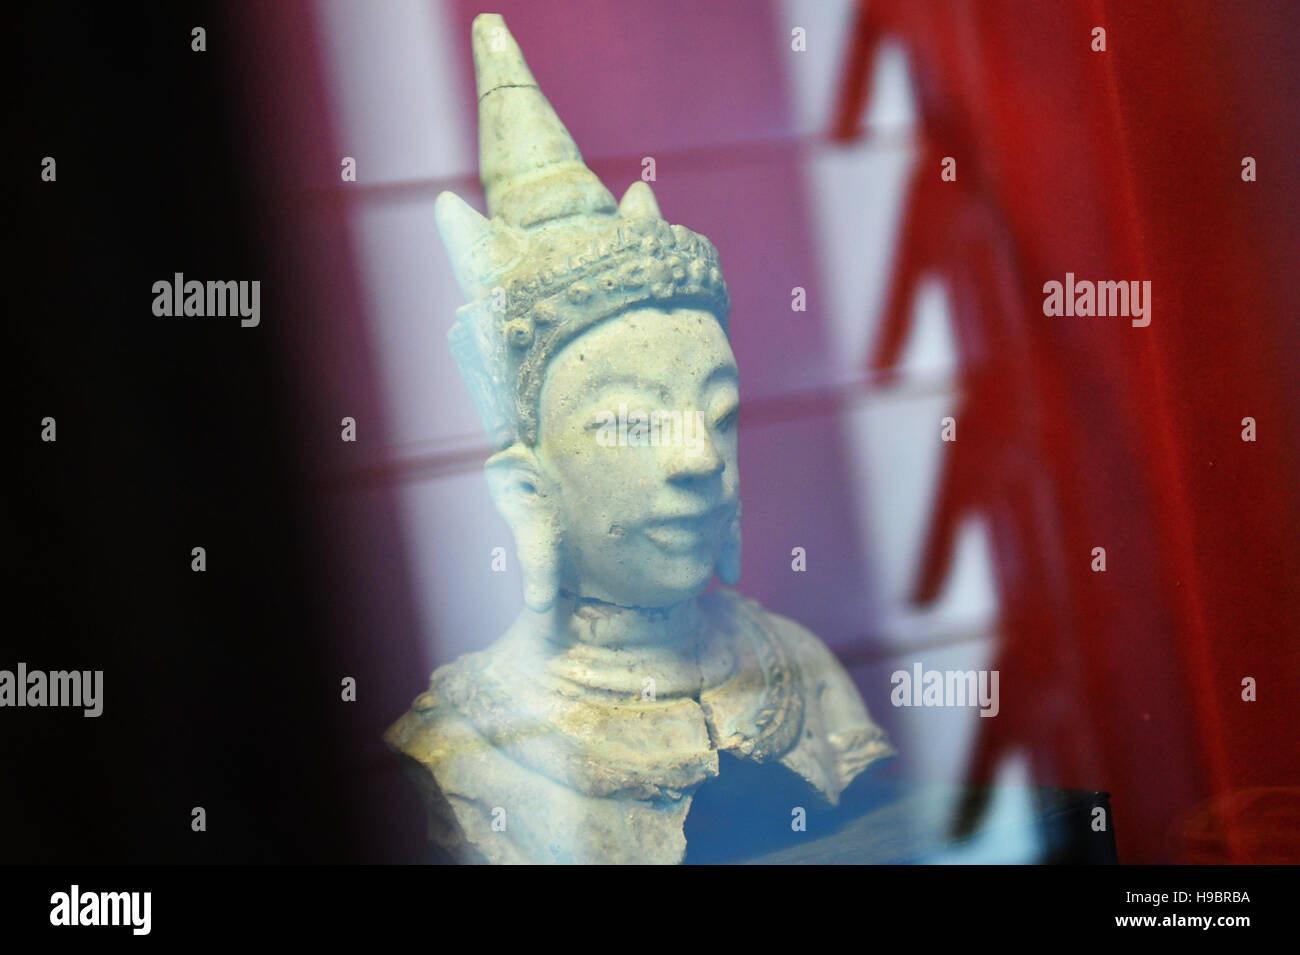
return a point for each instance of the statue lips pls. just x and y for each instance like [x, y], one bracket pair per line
[687, 533]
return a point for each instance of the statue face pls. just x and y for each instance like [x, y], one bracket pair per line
[637, 434]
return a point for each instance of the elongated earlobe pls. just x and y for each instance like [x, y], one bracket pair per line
[539, 561]
[728, 567]
[525, 499]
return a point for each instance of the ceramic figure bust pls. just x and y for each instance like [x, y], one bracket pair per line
[596, 346]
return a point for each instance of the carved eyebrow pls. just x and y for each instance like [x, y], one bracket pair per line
[723, 372]
[604, 380]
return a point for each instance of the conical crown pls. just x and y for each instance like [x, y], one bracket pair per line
[557, 254]
[529, 165]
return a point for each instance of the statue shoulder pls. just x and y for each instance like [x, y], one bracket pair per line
[432, 732]
[436, 729]
[463, 778]
[838, 738]
[486, 804]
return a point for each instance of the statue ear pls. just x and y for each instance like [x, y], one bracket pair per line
[728, 566]
[526, 499]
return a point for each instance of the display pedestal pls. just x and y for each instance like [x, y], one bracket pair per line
[1007, 824]
[751, 813]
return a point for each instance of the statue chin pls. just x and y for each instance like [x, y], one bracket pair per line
[652, 584]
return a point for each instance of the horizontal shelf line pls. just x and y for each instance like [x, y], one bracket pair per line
[724, 154]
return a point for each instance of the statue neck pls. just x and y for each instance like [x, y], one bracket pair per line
[595, 623]
[612, 649]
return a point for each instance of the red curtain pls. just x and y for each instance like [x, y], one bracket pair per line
[1121, 164]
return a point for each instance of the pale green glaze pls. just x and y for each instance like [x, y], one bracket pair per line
[596, 345]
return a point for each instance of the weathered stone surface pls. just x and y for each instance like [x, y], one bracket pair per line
[596, 346]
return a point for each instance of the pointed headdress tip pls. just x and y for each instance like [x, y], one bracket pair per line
[459, 223]
[530, 167]
[461, 229]
[638, 201]
[498, 61]
[479, 248]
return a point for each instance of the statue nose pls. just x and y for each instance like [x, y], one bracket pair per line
[696, 463]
